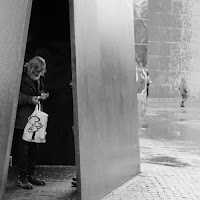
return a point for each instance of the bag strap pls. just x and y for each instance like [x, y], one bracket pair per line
[38, 107]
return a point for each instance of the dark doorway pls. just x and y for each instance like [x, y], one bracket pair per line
[49, 37]
[50, 33]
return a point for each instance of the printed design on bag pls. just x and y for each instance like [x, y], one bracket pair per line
[36, 125]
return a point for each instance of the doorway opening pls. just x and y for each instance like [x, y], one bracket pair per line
[49, 37]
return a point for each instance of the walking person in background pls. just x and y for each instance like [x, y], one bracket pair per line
[31, 92]
[183, 91]
[148, 82]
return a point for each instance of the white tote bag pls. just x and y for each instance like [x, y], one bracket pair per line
[35, 130]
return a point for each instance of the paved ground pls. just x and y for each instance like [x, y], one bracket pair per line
[170, 160]
[160, 183]
[170, 154]
[58, 185]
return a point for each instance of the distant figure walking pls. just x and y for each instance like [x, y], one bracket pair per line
[183, 91]
[148, 82]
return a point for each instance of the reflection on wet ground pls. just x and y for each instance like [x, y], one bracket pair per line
[167, 161]
[170, 122]
[169, 134]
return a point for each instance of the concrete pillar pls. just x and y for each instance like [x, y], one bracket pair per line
[14, 19]
[106, 95]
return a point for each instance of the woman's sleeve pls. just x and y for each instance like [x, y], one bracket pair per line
[24, 99]
[41, 86]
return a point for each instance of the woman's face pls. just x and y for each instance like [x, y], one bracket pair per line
[36, 68]
[35, 76]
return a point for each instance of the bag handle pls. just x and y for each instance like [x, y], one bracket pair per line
[38, 107]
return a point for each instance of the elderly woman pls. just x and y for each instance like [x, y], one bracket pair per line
[31, 92]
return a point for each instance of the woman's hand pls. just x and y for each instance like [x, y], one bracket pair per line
[44, 96]
[35, 100]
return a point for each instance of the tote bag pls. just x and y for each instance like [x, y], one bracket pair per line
[35, 129]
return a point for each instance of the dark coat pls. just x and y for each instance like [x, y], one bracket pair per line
[25, 106]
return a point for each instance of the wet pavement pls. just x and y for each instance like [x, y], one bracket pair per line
[170, 154]
[169, 134]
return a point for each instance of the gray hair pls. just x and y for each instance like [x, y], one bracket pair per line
[35, 65]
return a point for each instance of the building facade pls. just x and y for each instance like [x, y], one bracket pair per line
[173, 46]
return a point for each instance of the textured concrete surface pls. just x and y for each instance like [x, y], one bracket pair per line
[13, 26]
[170, 154]
[106, 96]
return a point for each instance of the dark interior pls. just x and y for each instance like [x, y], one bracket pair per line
[49, 37]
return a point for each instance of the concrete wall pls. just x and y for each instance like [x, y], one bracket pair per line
[13, 33]
[173, 47]
[106, 95]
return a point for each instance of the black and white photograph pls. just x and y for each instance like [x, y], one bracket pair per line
[100, 100]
